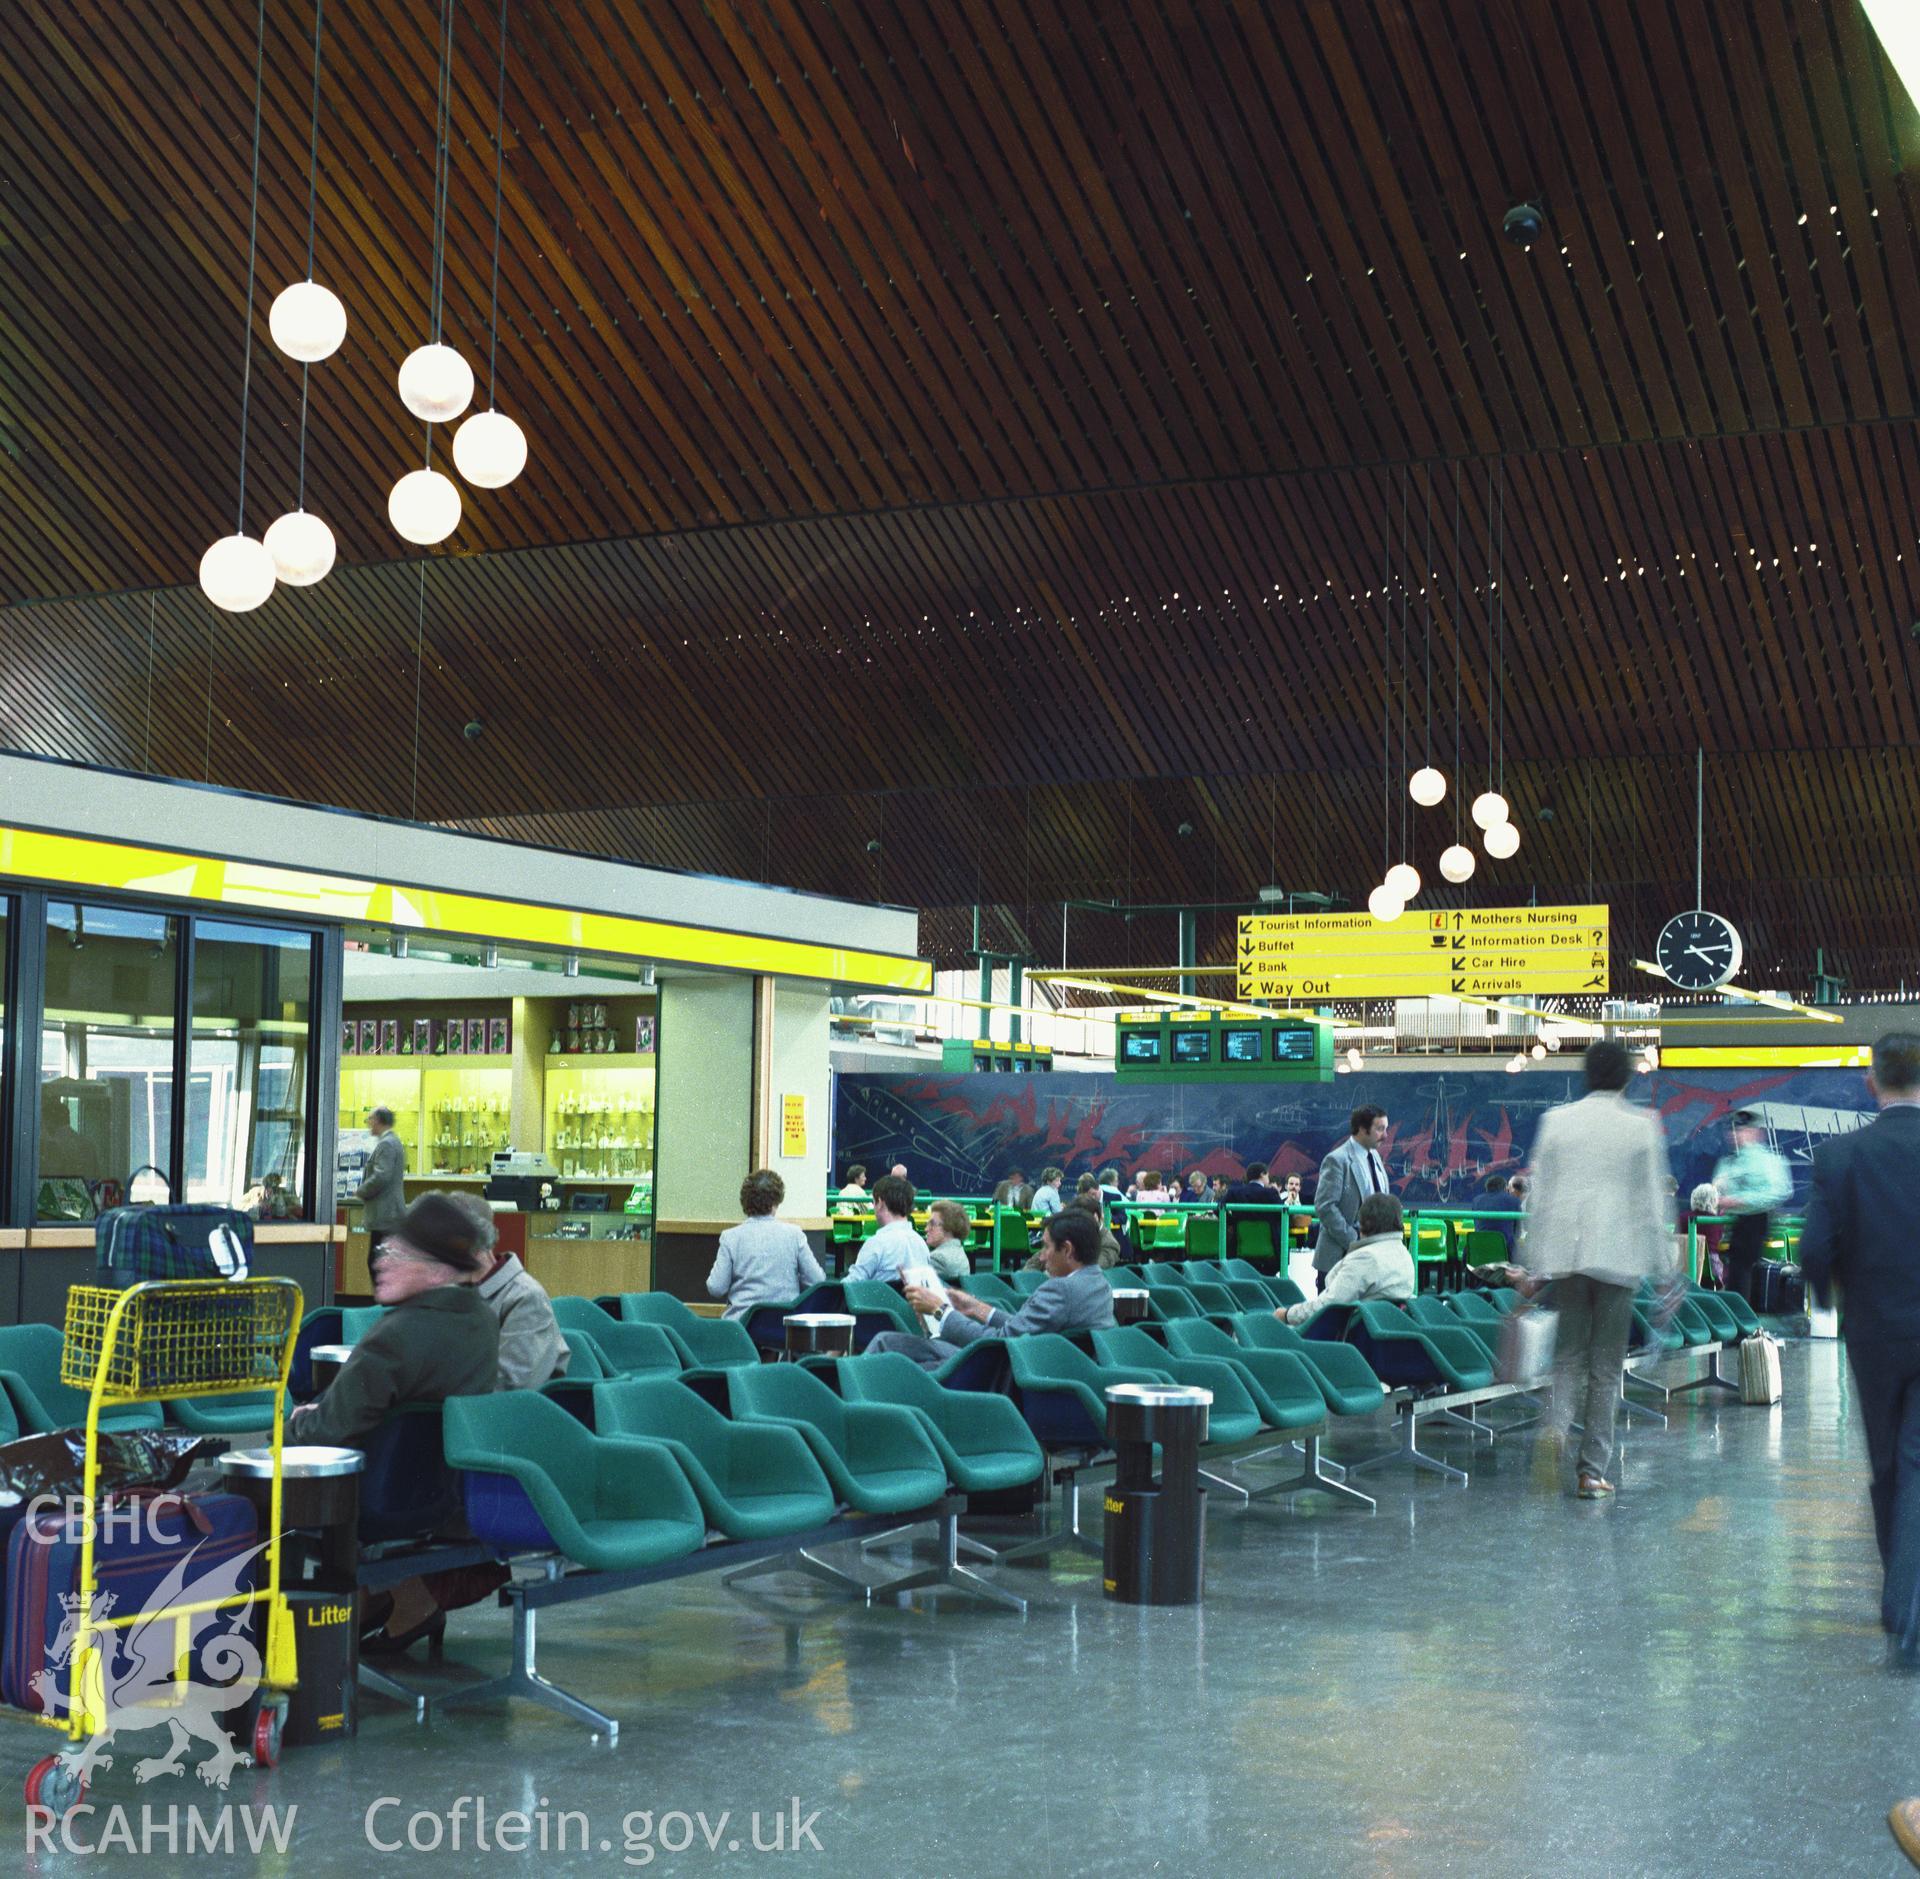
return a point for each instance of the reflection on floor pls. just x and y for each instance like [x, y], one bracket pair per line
[1492, 1680]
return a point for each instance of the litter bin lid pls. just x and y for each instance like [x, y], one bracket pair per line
[812, 1319]
[296, 1464]
[1159, 1395]
[1129, 1291]
[331, 1353]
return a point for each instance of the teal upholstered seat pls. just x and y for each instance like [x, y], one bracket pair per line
[621, 1349]
[30, 1374]
[1346, 1379]
[879, 1458]
[982, 1439]
[703, 1343]
[612, 1504]
[1234, 1416]
[754, 1480]
[1282, 1386]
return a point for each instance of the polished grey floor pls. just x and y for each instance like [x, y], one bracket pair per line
[1491, 1680]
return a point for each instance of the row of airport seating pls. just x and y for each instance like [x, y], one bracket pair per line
[674, 1444]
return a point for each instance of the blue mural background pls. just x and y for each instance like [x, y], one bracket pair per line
[1447, 1132]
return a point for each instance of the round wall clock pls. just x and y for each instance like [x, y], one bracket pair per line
[1698, 951]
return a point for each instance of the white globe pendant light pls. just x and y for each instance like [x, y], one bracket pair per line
[424, 507]
[307, 321]
[1385, 905]
[1489, 809]
[1403, 879]
[1354, 1059]
[302, 547]
[1502, 841]
[1456, 864]
[236, 573]
[435, 383]
[490, 450]
[1427, 786]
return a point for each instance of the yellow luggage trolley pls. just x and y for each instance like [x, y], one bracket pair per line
[159, 1342]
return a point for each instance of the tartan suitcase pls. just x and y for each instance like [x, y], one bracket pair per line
[198, 1240]
[43, 1568]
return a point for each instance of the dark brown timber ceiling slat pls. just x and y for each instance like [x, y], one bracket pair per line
[983, 430]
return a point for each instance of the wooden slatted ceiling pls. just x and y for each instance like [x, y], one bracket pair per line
[936, 404]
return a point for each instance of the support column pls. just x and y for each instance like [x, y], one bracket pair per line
[793, 1084]
[703, 1131]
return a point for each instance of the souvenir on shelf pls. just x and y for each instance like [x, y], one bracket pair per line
[349, 1038]
[369, 1037]
[422, 1037]
[643, 1034]
[476, 1037]
[496, 1037]
[389, 1037]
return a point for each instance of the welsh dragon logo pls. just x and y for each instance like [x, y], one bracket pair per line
[137, 1666]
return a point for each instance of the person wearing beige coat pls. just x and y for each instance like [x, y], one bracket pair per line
[1598, 1223]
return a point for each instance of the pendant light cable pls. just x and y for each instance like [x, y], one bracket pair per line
[499, 169]
[1500, 589]
[419, 670]
[313, 188]
[442, 178]
[442, 167]
[253, 249]
[1386, 720]
[1405, 480]
[153, 608]
[1426, 617]
[1489, 619]
[1459, 775]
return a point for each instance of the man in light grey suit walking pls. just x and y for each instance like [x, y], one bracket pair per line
[1347, 1176]
[383, 1181]
[1598, 1222]
[1074, 1296]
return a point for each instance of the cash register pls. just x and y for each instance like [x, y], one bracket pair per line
[523, 1178]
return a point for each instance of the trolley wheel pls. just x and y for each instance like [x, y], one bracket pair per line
[53, 1784]
[267, 1726]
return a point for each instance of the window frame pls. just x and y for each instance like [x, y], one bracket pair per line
[23, 973]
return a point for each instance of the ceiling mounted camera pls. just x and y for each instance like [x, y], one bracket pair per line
[471, 730]
[1523, 224]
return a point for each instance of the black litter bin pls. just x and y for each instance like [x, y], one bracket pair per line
[819, 1334]
[1155, 1546]
[319, 1568]
[1130, 1306]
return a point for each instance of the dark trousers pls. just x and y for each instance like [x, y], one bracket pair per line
[1886, 1379]
[1745, 1250]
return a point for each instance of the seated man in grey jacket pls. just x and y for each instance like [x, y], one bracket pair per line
[1074, 1296]
[1376, 1265]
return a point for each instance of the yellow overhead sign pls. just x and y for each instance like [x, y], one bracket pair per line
[1476, 952]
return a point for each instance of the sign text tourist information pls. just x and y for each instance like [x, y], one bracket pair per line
[1478, 952]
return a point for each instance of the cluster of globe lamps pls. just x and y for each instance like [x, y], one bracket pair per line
[1427, 786]
[308, 323]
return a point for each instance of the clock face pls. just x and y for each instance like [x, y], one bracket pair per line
[1698, 951]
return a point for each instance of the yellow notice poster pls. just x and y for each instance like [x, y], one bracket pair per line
[793, 1128]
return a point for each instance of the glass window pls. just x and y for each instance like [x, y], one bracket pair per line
[106, 1057]
[247, 1068]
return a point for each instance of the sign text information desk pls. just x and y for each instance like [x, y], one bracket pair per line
[1481, 952]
